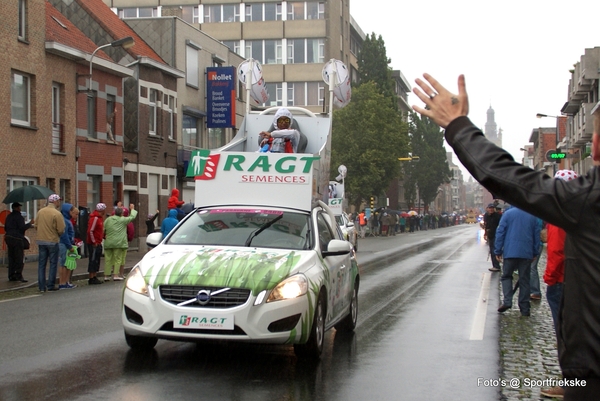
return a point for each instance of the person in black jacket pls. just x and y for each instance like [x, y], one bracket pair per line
[572, 205]
[491, 219]
[150, 227]
[15, 236]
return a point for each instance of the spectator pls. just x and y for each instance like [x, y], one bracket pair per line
[490, 224]
[534, 282]
[15, 241]
[150, 227]
[78, 242]
[174, 201]
[517, 244]
[362, 222]
[555, 274]
[169, 223]
[67, 241]
[115, 243]
[50, 226]
[572, 206]
[130, 226]
[95, 235]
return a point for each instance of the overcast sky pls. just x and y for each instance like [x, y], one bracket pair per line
[516, 55]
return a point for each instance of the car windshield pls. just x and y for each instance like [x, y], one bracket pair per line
[238, 226]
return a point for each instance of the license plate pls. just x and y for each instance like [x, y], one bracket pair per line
[212, 321]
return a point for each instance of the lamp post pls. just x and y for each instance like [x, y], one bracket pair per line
[125, 43]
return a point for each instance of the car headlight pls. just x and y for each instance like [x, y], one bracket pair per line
[136, 282]
[291, 287]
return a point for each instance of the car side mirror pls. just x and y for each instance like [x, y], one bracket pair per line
[350, 224]
[154, 239]
[337, 247]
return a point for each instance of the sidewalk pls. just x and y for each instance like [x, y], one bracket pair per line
[30, 271]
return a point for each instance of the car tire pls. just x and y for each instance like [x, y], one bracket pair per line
[140, 343]
[313, 348]
[349, 322]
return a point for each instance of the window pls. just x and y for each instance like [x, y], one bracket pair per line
[273, 12]
[93, 191]
[305, 51]
[16, 182]
[170, 102]
[111, 123]
[275, 94]
[192, 71]
[231, 12]
[295, 10]
[20, 98]
[325, 233]
[254, 12]
[305, 93]
[234, 46]
[152, 111]
[91, 112]
[190, 14]
[138, 12]
[58, 140]
[189, 131]
[22, 19]
[265, 51]
[216, 138]
[315, 10]
[221, 13]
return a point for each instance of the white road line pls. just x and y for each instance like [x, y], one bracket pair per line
[17, 299]
[481, 312]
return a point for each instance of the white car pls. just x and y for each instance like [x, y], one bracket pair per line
[256, 274]
[348, 229]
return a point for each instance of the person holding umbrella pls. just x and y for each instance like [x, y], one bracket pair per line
[15, 241]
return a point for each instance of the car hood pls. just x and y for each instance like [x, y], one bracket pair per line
[252, 268]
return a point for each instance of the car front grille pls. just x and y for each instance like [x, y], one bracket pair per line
[231, 298]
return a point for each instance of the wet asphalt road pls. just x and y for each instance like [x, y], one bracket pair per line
[418, 310]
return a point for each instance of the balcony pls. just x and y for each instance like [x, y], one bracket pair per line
[584, 132]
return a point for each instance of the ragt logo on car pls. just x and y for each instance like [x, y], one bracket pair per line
[203, 165]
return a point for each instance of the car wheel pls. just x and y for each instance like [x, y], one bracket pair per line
[314, 346]
[349, 322]
[140, 343]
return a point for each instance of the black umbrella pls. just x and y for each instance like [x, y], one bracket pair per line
[27, 193]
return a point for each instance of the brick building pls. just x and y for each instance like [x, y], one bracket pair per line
[146, 170]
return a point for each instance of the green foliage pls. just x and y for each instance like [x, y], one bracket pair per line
[373, 66]
[427, 142]
[368, 137]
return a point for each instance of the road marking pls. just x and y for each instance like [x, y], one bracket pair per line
[16, 299]
[481, 312]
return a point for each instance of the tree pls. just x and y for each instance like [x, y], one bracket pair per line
[373, 66]
[368, 137]
[427, 142]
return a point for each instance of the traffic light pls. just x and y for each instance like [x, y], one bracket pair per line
[372, 202]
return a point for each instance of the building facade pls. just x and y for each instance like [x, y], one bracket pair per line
[583, 94]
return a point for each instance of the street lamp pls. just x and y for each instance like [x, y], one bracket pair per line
[125, 43]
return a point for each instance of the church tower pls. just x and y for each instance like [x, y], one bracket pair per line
[491, 128]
